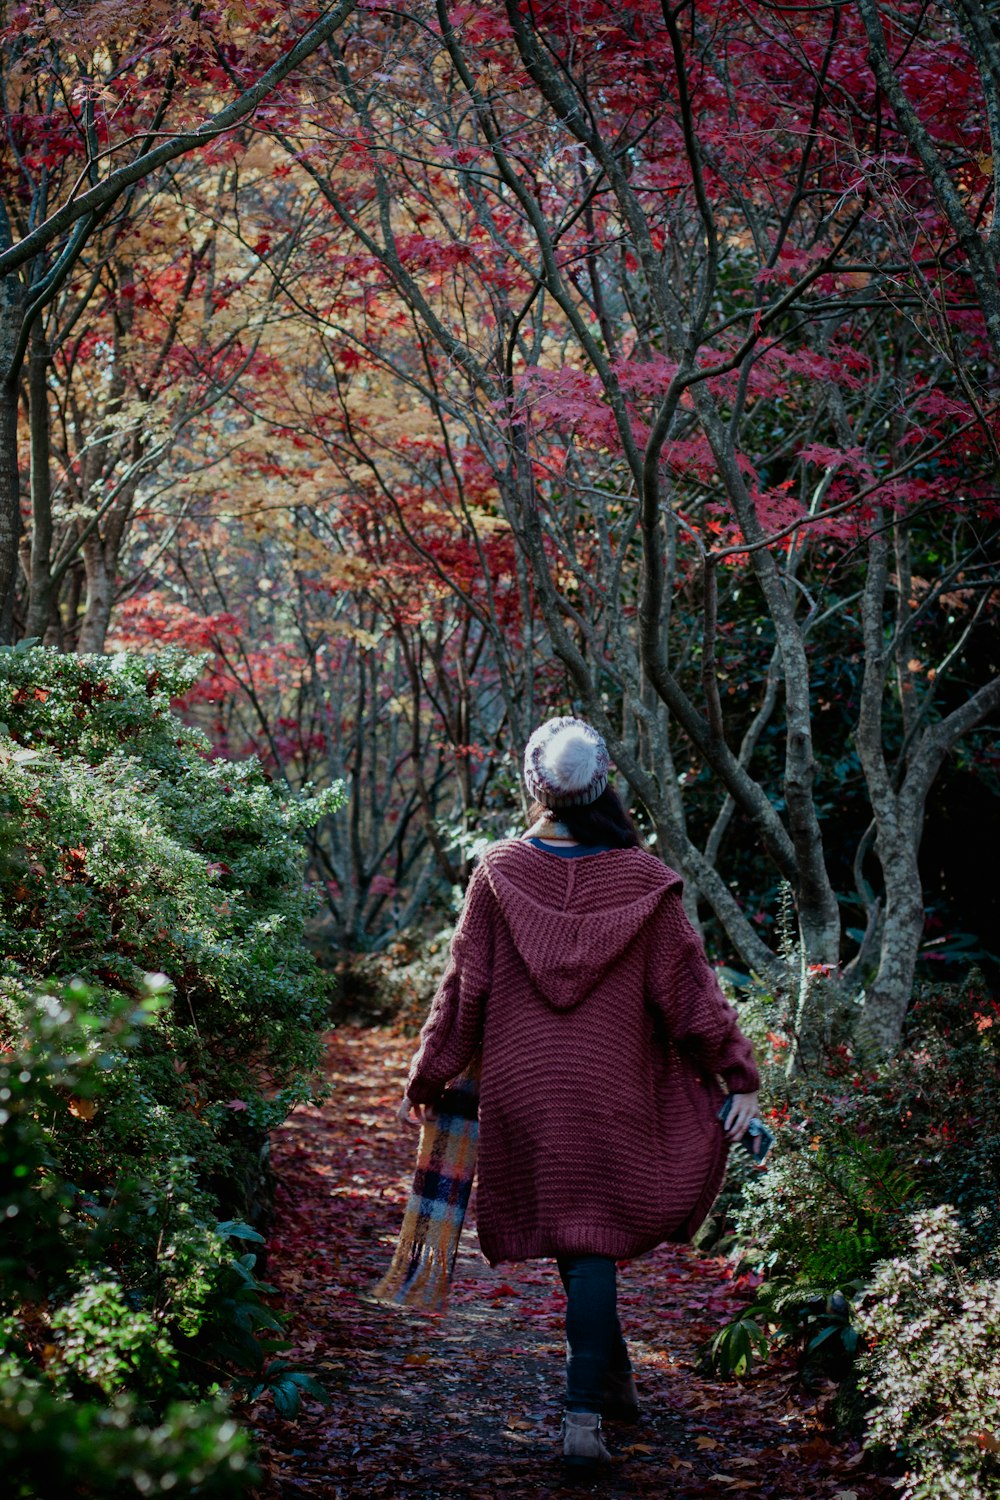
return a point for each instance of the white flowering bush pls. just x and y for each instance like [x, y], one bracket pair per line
[933, 1373]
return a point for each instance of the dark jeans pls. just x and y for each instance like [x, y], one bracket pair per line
[595, 1347]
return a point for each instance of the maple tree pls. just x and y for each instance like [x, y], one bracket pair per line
[633, 357]
[145, 85]
[627, 297]
[337, 657]
[145, 345]
[355, 654]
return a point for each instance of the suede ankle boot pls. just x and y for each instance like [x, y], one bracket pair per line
[583, 1445]
[621, 1401]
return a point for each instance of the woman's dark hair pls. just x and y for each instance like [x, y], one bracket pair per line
[603, 821]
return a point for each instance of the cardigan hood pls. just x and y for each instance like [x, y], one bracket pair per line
[574, 925]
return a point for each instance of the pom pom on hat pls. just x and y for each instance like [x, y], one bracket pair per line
[566, 763]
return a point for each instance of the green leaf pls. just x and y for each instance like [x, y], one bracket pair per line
[286, 1398]
[234, 1229]
[733, 1349]
[823, 1336]
[310, 1385]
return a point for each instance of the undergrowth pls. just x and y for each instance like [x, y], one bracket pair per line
[875, 1232]
[159, 1014]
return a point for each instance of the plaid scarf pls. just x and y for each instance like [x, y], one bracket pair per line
[421, 1268]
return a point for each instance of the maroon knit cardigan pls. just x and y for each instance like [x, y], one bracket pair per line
[603, 1034]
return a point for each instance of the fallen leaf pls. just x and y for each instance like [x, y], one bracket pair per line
[817, 1447]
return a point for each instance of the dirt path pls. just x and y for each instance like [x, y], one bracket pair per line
[467, 1406]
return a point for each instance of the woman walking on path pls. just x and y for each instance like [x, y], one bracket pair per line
[603, 1035]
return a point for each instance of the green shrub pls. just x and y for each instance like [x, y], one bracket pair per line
[158, 1014]
[942, 1100]
[857, 1150]
[827, 1209]
[933, 1375]
[395, 987]
[129, 851]
[51, 1446]
[92, 1357]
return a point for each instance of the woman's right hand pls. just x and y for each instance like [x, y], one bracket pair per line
[412, 1114]
[741, 1111]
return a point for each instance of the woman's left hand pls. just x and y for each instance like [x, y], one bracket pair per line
[411, 1114]
[741, 1112]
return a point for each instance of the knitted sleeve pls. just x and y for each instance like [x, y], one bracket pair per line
[682, 986]
[454, 1028]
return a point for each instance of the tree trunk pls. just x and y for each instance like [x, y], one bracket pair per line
[10, 508]
[900, 821]
[12, 306]
[888, 999]
[815, 900]
[70, 613]
[40, 566]
[100, 597]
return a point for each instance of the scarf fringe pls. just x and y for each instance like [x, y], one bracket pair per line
[418, 1276]
[421, 1268]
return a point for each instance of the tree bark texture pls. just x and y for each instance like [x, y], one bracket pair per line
[887, 998]
[40, 556]
[100, 596]
[12, 306]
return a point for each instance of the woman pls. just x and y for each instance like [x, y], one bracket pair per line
[603, 1034]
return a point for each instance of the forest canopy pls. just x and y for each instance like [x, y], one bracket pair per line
[439, 368]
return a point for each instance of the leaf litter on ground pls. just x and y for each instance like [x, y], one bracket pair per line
[466, 1405]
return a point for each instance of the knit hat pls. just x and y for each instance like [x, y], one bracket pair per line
[565, 764]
